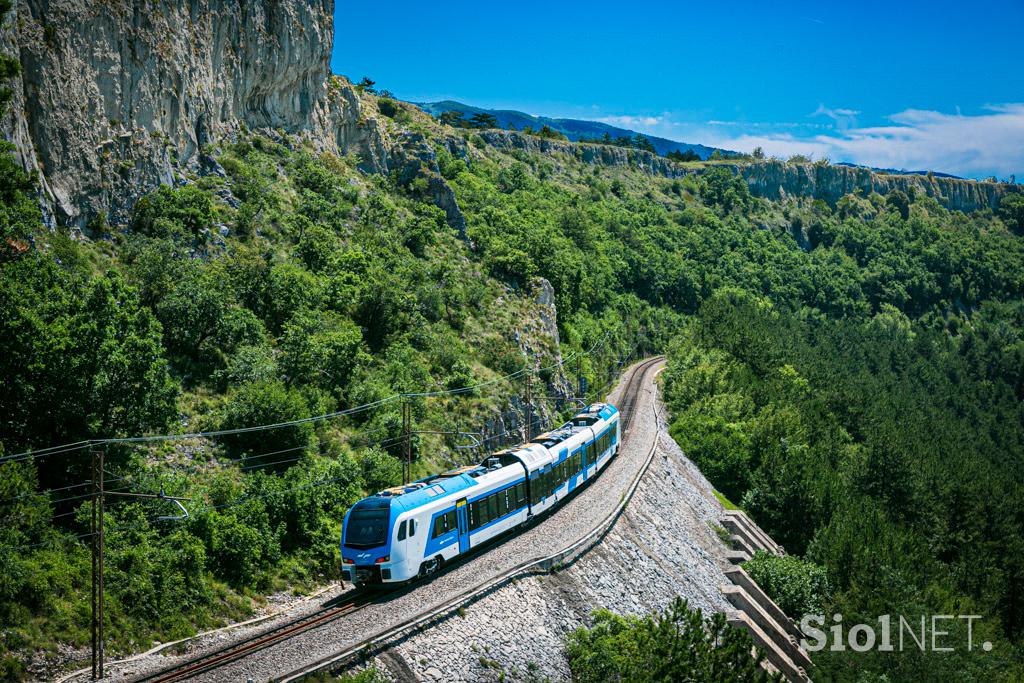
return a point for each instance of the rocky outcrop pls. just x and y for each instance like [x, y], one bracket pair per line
[118, 96]
[774, 179]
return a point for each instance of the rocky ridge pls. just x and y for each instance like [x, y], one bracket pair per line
[773, 179]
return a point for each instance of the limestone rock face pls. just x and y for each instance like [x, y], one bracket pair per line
[602, 155]
[774, 179]
[117, 95]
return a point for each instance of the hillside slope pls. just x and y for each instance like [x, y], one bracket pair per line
[296, 265]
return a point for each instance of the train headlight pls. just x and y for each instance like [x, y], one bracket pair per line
[348, 560]
[382, 560]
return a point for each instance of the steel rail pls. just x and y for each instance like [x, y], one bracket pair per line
[230, 653]
[369, 646]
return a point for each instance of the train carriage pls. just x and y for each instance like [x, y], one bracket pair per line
[412, 530]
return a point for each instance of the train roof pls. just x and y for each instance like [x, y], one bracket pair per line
[421, 492]
[534, 454]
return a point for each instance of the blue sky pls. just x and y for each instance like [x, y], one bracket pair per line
[897, 84]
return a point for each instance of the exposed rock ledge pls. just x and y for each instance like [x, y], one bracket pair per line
[774, 179]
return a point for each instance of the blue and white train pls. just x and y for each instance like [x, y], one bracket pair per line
[410, 531]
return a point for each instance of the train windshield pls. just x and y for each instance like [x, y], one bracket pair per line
[367, 528]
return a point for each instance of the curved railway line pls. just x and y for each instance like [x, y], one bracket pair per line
[355, 600]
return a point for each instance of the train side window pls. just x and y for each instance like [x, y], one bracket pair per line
[439, 526]
[482, 516]
[412, 528]
[401, 531]
[492, 503]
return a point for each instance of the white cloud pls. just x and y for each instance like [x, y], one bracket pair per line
[989, 143]
[632, 121]
[985, 144]
[844, 118]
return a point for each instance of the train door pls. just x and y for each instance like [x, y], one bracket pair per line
[462, 514]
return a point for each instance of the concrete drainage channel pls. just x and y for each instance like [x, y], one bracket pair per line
[773, 632]
[387, 638]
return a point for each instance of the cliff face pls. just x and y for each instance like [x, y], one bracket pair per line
[775, 179]
[118, 96]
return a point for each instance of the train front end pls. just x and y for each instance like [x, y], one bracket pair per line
[366, 552]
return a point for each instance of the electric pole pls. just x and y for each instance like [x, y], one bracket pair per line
[529, 404]
[98, 453]
[580, 379]
[98, 545]
[407, 440]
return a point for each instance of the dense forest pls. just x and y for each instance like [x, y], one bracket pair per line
[851, 375]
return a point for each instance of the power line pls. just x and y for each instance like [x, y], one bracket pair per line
[66, 448]
[291, 423]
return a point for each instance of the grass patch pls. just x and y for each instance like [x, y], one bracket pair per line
[726, 503]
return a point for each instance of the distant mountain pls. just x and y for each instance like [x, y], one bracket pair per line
[574, 129]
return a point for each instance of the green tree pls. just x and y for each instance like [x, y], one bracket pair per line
[452, 118]
[797, 586]
[366, 85]
[266, 403]
[483, 120]
[898, 200]
[679, 644]
[1011, 210]
[380, 470]
[168, 212]
[321, 349]
[78, 359]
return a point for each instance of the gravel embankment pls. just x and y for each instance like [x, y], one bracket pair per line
[661, 547]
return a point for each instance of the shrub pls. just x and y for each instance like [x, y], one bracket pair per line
[797, 586]
[267, 403]
[321, 349]
[380, 470]
[679, 644]
[166, 211]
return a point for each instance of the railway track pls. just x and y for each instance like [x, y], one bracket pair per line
[631, 393]
[356, 600]
[352, 601]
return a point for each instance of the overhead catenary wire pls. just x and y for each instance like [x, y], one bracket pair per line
[62, 448]
[234, 503]
[80, 445]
